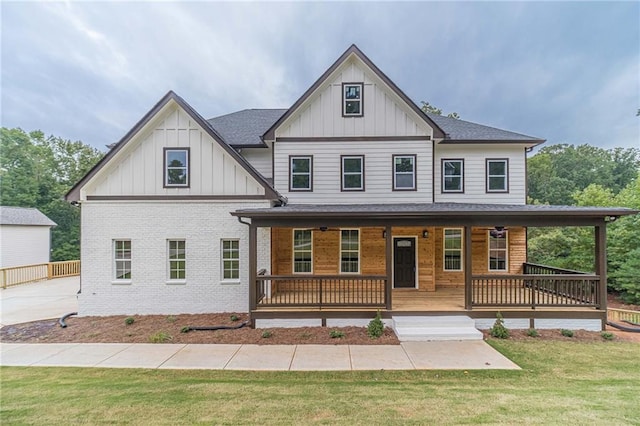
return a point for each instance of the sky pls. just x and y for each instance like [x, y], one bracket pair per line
[567, 72]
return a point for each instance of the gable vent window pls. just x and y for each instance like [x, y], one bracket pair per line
[176, 167]
[352, 99]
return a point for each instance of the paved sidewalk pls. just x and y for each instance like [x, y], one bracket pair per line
[456, 355]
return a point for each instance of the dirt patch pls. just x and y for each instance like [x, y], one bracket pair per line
[113, 329]
[578, 335]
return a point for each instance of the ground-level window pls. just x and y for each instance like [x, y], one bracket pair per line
[176, 167]
[301, 173]
[452, 249]
[498, 251]
[177, 259]
[497, 175]
[452, 175]
[352, 172]
[122, 260]
[230, 259]
[349, 251]
[404, 172]
[302, 251]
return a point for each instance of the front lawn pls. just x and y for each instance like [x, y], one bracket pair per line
[561, 383]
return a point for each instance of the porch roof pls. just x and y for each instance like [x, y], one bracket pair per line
[423, 214]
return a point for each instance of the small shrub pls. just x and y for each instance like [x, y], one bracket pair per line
[566, 333]
[129, 320]
[499, 330]
[375, 327]
[185, 329]
[171, 318]
[336, 334]
[234, 318]
[266, 334]
[160, 337]
[532, 332]
[607, 335]
[305, 335]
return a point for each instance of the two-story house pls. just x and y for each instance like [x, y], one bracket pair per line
[353, 200]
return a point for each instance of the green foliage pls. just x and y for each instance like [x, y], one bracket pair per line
[37, 171]
[427, 107]
[607, 335]
[499, 330]
[566, 333]
[336, 334]
[129, 320]
[627, 277]
[171, 318]
[266, 334]
[532, 332]
[234, 318]
[375, 327]
[160, 337]
[185, 329]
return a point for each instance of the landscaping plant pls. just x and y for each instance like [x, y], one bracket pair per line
[499, 330]
[375, 327]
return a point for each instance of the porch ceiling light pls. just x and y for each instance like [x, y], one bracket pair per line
[425, 233]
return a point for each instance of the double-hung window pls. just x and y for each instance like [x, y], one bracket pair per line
[352, 99]
[497, 175]
[301, 173]
[302, 251]
[177, 256]
[122, 260]
[349, 251]
[230, 259]
[404, 172]
[452, 248]
[498, 251]
[352, 172]
[176, 167]
[452, 175]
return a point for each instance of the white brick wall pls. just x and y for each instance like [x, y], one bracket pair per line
[149, 225]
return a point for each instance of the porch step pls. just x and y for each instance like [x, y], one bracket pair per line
[426, 328]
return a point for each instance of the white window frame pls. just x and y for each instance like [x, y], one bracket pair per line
[345, 86]
[505, 176]
[357, 251]
[445, 249]
[179, 259]
[461, 175]
[505, 250]
[294, 251]
[224, 260]
[343, 186]
[118, 259]
[412, 173]
[292, 173]
[167, 168]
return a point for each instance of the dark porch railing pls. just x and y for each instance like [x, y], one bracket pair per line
[534, 268]
[320, 291]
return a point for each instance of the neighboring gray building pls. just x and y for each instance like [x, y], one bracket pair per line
[25, 236]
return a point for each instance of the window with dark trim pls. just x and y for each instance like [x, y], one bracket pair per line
[352, 167]
[498, 251]
[177, 259]
[176, 167]
[349, 251]
[452, 249]
[302, 251]
[300, 173]
[404, 172]
[122, 260]
[497, 175]
[352, 99]
[230, 259]
[452, 175]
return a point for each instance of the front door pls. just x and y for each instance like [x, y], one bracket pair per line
[404, 262]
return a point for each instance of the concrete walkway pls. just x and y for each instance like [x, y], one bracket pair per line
[457, 355]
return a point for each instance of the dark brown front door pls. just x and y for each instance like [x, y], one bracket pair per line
[404, 262]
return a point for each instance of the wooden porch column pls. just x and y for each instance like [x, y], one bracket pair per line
[253, 266]
[389, 265]
[601, 264]
[467, 267]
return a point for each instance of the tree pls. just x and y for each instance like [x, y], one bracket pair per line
[427, 107]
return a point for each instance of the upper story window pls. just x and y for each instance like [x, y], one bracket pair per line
[302, 251]
[452, 175]
[122, 260]
[498, 245]
[497, 175]
[301, 173]
[404, 172]
[452, 248]
[352, 99]
[352, 173]
[176, 167]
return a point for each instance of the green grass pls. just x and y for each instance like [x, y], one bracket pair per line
[561, 383]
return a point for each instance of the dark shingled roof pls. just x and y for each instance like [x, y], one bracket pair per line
[462, 130]
[245, 128]
[24, 216]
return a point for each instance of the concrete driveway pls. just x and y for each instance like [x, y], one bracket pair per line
[39, 300]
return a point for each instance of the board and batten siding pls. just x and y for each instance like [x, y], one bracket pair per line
[378, 168]
[138, 168]
[260, 159]
[384, 113]
[475, 177]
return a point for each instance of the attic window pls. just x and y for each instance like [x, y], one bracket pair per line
[176, 167]
[352, 99]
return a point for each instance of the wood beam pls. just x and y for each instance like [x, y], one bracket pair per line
[600, 232]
